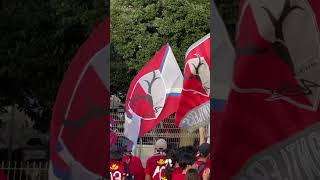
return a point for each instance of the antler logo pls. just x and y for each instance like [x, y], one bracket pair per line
[148, 96]
[279, 45]
[197, 70]
[293, 41]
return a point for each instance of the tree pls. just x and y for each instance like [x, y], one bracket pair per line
[38, 40]
[140, 27]
[229, 13]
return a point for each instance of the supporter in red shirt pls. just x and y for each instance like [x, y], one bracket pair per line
[117, 167]
[135, 166]
[203, 161]
[186, 162]
[156, 163]
[172, 166]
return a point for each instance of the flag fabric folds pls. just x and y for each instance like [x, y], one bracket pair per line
[153, 94]
[223, 55]
[270, 126]
[194, 106]
[78, 143]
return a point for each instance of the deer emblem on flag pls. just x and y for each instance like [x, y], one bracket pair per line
[198, 70]
[279, 45]
[277, 38]
[147, 100]
[148, 96]
[153, 93]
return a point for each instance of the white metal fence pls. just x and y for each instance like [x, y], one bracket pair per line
[166, 129]
[25, 170]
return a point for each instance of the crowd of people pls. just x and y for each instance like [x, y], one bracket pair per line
[167, 163]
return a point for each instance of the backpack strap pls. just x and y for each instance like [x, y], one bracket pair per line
[201, 167]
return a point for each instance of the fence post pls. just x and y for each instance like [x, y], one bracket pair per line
[139, 150]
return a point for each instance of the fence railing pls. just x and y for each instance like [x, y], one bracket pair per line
[24, 170]
[166, 129]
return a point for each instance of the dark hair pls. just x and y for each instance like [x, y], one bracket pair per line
[188, 149]
[204, 150]
[171, 154]
[192, 174]
[185, 159]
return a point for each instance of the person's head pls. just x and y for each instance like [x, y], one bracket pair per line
[161, 145]
[204, 150]
[192, 174]
[171, 162]
[186, 161]
[172, 156]
[116, 153]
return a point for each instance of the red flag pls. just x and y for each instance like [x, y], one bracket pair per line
[78, 145]
[194, 106]
[153, 93]
[270, 129]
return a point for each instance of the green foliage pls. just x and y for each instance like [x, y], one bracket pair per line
[140, 27]
[228, 10]
[38, 39]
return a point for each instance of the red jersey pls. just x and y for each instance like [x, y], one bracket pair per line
[155, 165]
[135, 166]
[178, 176]
[116, 170]
[176, 171]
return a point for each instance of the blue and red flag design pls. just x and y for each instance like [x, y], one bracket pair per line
[153, 93]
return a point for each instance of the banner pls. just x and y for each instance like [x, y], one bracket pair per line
[78, 143]
[153, 94]
[194, 106]
[270, 129]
